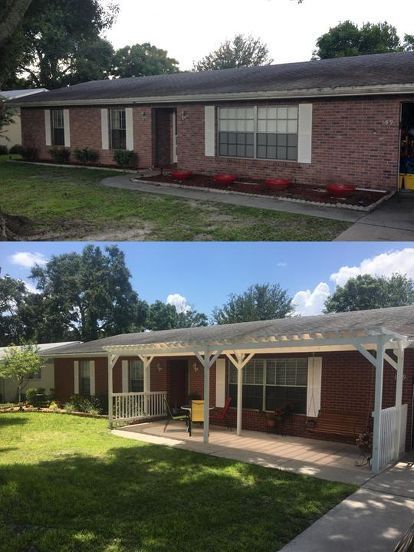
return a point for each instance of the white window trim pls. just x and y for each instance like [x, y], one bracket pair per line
[48, 128]
[105, 128]
[129, 130]
[76, 377]
[210, 131]
[66, 127]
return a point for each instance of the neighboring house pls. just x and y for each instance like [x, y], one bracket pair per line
[12, 134]
[357, 364]
[313, 122]
[44, 379]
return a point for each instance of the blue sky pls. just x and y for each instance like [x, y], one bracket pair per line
[206, 273]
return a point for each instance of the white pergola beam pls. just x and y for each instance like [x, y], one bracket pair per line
[112, 360]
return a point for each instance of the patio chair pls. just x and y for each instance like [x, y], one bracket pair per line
[197, 414]
[222, 414]
[174, 417]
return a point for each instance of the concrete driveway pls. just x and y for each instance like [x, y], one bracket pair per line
[372, 519]
[392, 221]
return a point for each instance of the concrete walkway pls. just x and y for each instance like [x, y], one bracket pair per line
[391, 221]
[372, 519]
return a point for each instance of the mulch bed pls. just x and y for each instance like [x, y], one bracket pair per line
[298, 192]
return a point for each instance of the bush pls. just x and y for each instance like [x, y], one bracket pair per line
[126, 159]
[53, 406]
[60, 155]
[88, 404]
[17, 149]
[3, 150]
[30, 154]
[37, 397]
[86, 156]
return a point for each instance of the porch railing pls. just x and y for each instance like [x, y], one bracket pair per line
[138, 406]
[392, 434]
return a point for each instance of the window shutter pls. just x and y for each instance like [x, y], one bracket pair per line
[210, 130]
[129, 122]
[314, 386]
[220, 382]
[48, 130]
[125, 378]
[76, 377]
[305, 133]
[66, 123]
[105, 129]
[92, 376]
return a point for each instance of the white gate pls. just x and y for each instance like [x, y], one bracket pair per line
[138, 406]
[392, 441]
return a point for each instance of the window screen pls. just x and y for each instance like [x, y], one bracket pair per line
[57, 127]
[277, 133]
[236, 132]
[84, 377]
[136, 376]
[117, 124]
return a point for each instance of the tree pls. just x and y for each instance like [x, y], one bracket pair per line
[19, 363]
[241, 51]
[141, 60]
[12, 13]
[368, 292]
[87, 296]
[259, 302]
[408, 43]
[13, 294]
[162, 316]
[347, 39]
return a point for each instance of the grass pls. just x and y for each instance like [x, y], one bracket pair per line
[67, 484]
[69, 203]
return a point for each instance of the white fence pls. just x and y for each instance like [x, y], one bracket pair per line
[392, 435]
[135, 406]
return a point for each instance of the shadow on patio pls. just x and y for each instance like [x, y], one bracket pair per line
[323, 459]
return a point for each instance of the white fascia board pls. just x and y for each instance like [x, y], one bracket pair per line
[238, 96]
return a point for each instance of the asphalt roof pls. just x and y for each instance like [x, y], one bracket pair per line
[365, 71]
[15, 94]
[397, 319]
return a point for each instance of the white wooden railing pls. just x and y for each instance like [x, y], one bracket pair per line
[138, 406]
[392, 434]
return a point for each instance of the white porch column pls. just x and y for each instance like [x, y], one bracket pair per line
[111, 363]
[376, 438]
[146, 361]
[207, 359]
[239, 360]
[400, 353]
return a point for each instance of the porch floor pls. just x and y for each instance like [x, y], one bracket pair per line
[322, 459]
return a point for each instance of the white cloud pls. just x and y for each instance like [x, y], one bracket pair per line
[281, 264]
[386, 264]
[179, 302]
[27, 259]
[308, 303]
[30, 287]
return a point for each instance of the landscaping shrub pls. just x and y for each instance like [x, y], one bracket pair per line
[86, 155]
[81, 403]
[37, 397]
[60, 155]
[53, 406]
[126, 159]
[30, 154]
[17, 149]
[3, 150]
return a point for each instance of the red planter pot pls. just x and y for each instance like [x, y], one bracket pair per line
[340, 190]
[277, 183]
[181, 175]
[224, 179]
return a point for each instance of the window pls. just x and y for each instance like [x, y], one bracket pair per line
[136, 376]
[84, 377]
[259, 132]
[269, 384]
[117, 129]
[57, 127]
[236, 132]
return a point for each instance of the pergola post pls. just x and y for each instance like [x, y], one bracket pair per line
[399, 353]
[376, 438]
[146, 361]
[111, 363]
[239, 360]
[207, 359]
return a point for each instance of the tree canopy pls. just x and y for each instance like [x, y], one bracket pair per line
[19, 363]
[348, 39]
[368, 292]
[241, 51]
[258, 302]
[141, 60]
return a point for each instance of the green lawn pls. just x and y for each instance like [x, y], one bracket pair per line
[66, 484]
[66, 203]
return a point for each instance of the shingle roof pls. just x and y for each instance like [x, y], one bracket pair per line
[398, 319]
[359, 71]
[15, 94]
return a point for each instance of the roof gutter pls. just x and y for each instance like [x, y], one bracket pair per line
[234, 96]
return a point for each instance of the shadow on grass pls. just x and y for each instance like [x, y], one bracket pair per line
[15, 420]
[155, 499]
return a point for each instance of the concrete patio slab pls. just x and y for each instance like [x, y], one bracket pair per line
[322, 459]
[373, 519]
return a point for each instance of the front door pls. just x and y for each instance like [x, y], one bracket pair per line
[177, 382]
[406, 181]
[165, 137]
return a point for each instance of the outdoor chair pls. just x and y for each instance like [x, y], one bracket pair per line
[220, 417]
[196, 415]
[174, 417]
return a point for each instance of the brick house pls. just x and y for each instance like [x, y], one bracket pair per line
[358, 364]
[344, 119]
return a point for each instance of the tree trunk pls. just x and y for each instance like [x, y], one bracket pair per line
[13, 15]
